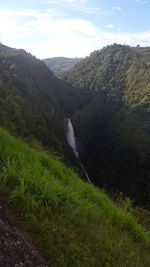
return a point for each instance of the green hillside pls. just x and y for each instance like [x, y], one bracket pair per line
[123, 72]
[113, 129]
[109, 109]
[70, 222]
[33, 102]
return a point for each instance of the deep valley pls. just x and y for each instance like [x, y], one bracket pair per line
[75, 155]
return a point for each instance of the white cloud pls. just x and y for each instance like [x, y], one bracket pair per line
[70, 2]
[141, 1]
[89, 10]
[110, 26]
[113, 27]
[119, 8]
[66, 1]
[74, 1]
[45, 35]
[81, 6]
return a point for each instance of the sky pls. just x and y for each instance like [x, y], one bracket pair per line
[73, 28]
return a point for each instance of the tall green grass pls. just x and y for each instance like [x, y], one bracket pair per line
[72, 223]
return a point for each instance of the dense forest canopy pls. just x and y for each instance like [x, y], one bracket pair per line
[73, 223]
[121, 71]
[107, 95]
[33, 101]
[114, 127]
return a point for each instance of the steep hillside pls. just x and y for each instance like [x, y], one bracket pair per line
[123, 72]
[113, 129]
[33, 102]
[59, 65]
[71, 223]
[15, 249]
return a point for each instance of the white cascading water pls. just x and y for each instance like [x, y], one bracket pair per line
[71, 137]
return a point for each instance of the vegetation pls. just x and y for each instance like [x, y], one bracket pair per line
[73, 223]
[114, 147]
[113, 129]
[59, 65]
[70, 222]
[33, 102]
[121, 71]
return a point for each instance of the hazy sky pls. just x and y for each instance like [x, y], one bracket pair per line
[73, 28]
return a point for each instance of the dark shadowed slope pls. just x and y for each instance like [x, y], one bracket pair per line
[114, 128]
[33, 102]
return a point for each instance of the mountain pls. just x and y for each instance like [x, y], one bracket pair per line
[71, 223]
[109, 107]
[113, 129]
[33, 102]
[120, 71]
[59, 65]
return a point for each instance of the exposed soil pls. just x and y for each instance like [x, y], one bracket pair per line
[15, 250]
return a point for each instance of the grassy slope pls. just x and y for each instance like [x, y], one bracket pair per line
[72, 223]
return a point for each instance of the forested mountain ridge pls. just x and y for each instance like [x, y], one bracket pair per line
[110, 115]
[123, 72]
[113, 129]
[52, 204]
[33, 102]
[59, 65]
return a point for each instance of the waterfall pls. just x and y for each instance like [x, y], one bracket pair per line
[71, 137]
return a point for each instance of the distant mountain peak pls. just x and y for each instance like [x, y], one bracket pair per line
[59, 65]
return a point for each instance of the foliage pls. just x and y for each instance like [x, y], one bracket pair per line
[121, 71]
[110, 112]
[113, 129]
[33, 102]
[70, 222]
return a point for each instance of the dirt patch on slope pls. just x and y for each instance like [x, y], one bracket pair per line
[15, 250]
